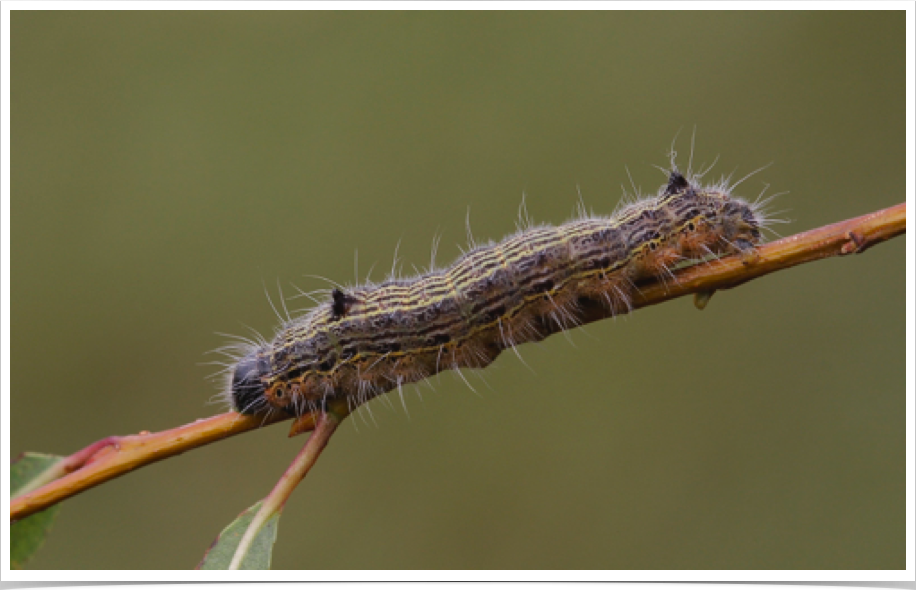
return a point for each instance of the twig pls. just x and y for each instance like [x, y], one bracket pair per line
[326, 425]
[115, 456]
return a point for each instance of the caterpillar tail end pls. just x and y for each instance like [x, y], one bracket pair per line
[749, 254]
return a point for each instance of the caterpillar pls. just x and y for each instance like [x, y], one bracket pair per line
[370, 339]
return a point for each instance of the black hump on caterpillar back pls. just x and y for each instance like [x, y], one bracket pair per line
[341, 303]
[247, 388]
[676, 183]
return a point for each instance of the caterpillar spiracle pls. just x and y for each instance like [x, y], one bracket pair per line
[369, 339]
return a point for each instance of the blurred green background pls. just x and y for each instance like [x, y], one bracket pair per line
[167, 165]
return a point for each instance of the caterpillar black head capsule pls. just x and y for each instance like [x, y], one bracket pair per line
[247, 389]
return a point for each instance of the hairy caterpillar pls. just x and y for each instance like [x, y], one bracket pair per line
[370, 339]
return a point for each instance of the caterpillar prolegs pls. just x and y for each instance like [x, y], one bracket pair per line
[369, 339]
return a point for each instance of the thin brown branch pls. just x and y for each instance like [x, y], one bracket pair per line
[273, 504]
[115, 456]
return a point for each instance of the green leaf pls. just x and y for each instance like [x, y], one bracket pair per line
[219, 555]
[27, 473]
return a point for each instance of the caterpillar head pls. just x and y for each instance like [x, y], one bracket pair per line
[247, 388]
